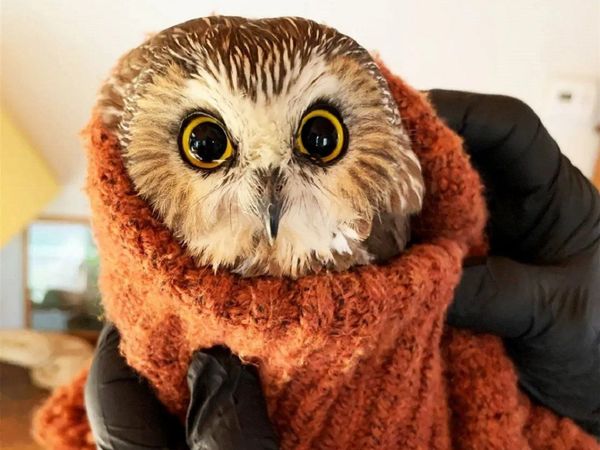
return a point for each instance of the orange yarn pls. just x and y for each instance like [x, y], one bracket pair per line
[358, 360]
[61, 423]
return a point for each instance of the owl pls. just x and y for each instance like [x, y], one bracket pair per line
[267, 147]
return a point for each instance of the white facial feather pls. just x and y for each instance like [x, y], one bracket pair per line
[263, 128]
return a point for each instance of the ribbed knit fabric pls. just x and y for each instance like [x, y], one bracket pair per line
[353, 360]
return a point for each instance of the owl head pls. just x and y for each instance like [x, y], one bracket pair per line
[269, 146]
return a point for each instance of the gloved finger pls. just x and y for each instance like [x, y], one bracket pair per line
[562, 377]
[550, 319]
[252, 411]
[501, 297]
[498, 131]
[227, 409]
[123, 412]
[542, 209]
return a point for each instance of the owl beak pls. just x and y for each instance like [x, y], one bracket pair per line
[274, 213]
[273, 186]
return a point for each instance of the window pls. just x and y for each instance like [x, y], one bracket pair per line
[62, 276]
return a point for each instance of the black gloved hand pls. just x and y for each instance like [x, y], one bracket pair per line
[540, 289]
[227, 409]
[123, 412]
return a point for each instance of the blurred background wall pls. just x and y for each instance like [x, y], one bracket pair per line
[55, 54]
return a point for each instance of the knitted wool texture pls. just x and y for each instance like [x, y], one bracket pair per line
[354, 360]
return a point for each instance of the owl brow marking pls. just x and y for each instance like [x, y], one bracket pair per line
[240, 55]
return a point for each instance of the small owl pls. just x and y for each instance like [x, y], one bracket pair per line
[267, 147]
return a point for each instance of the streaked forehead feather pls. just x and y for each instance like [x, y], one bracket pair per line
[253, 55]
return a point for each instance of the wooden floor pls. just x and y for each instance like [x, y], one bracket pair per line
[18, 399]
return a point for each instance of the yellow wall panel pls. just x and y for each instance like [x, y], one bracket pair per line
[26, 182]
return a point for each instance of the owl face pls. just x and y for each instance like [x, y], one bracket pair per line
[266, 146]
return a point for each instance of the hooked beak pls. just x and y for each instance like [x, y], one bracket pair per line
[274, 202]
[274, 214]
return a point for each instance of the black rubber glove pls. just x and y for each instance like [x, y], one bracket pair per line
[227, 409]
[122, 409]
[540, 289]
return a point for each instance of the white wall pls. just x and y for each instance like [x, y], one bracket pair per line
[12, 306]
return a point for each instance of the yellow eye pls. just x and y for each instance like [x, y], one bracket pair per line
[322, 137]
[204, 143]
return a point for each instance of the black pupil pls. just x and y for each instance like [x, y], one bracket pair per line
[319, 136]
[208, 141]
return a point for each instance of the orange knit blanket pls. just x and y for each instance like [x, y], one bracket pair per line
[354, 360]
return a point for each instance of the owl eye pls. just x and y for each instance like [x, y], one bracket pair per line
[322, 136]
[204, 143]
